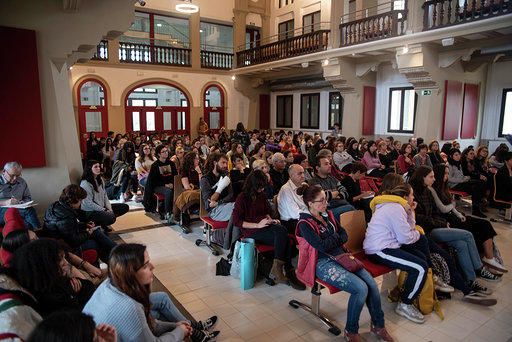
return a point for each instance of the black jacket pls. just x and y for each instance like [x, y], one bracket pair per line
[427, 214]
[63, 222]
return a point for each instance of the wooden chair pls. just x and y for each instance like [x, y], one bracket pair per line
[355, 225]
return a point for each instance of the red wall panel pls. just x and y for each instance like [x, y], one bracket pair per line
[21, 117]
[469, 111]
[264, 111]
[452, 109]
[369, 110]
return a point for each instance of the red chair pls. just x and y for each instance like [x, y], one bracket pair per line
[355, 225]
[159, 198]
[209, 226]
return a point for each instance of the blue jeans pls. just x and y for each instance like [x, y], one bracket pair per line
[28, 215]
[464, 243]
[362, 288]
[337, 211]
[99, 242]
[163, 309]
[168, 193]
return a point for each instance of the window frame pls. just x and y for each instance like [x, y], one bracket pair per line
[402, 90]
[277, 111]
[287, 34]
[313, 23]
[502, 111]
[310, 95]
[340, 109]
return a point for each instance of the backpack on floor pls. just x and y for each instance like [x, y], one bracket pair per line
[426, 302]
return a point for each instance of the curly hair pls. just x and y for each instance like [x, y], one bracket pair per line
[71, 194]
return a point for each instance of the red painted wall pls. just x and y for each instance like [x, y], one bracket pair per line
[21, 117]
[369, 110]
[452, 109]
[470, 111]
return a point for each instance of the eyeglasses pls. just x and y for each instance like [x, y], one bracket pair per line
[323, 200]
[13, 176]
[164, 151]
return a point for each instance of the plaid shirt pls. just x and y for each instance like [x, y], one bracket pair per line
[427, 214]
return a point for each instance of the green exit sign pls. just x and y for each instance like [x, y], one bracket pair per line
[426, 92]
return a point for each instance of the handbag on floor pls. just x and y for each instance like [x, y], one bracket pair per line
[248, 264]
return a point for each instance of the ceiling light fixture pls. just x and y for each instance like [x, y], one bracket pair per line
[405, 49]
[233, 77]
[325, 62]
[187, 7]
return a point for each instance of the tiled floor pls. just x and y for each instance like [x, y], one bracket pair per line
[263, 314]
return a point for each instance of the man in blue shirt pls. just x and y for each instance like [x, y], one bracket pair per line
[14, 190]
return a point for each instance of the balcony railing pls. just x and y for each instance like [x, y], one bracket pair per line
[101, 53]
[216, 60]
[153, 54]
[290, 47]
[391, 23]
[442, 13]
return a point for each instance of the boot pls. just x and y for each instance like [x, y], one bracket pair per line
[478, 213]
[276, 273]
[293, 281]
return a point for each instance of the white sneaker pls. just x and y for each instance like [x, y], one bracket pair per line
[494, 264]
[121, 199]
[441, 286]
[410, 312]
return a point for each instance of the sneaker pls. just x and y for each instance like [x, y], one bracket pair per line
[170, 219]
[122, 199]
[440, 285]
[382, 334]
[203, 335]
[410, 312]
[494, 264]
[206, 324]
[477, 287]
[351, 337]
[486, 275]
[477, 298]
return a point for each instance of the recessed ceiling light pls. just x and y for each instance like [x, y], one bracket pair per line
[159, 25]
[187, 7]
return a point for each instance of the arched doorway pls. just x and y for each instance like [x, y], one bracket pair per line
[214, 107]
[157, 108]
[92, 110]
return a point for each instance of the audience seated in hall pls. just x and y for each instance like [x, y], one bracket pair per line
[96, 205]
[320, 236]
[125, 298]
[335, 192]
[216, 188]
[14, 190]
[252, 214]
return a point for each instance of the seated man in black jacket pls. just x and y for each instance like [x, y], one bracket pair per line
[360, 200]
[64, 220]
[278, 171]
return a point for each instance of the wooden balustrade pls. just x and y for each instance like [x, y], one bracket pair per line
[286, 48]
[380, 26]
[442, 13]
[216, 60]
[101, 53]
[153, 54]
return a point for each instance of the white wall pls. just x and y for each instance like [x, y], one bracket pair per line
[296, 11]
[324, 109]
[499, 76]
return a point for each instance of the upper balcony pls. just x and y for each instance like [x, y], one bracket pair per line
[374, 23]
[288, 44]
[443, 13]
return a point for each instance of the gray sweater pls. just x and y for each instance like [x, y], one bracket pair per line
[110, 306]
[456, 176]
[96, 200]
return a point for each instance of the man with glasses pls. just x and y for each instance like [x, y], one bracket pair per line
[14, 190]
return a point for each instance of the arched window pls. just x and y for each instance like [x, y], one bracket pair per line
[157, 107]
[92, 110]
[214, 107]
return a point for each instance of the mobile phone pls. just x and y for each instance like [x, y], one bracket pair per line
[94, 228]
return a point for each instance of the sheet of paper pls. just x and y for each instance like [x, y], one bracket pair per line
[24, 205]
